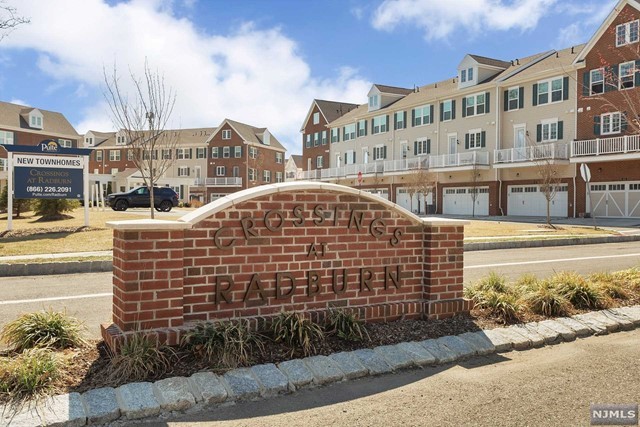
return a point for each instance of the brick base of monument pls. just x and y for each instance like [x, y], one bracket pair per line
[114, 336]
[302, 247]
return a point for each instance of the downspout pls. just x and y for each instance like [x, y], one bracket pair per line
[437, 114]
[498, 146]
[575, 172]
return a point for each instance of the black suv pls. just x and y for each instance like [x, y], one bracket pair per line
[164, 199]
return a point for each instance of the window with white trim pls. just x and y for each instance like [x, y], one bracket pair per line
[183, 153]
[316, 118]
[278, 176]
[421, 147]
[98, 155]
[66, 143]
[252, 174]
[323, 137]
[201, 152]
[237, 151]
[130, 154]
[422, 115]
[627, 74]
[114, 155]
[380, 124]
[350, 157]
[550, 91]
[596, 81]
[447, 110]
[226, 134]
[475, 104]
[463, 75]
[550, 130]
[316, 139]
[307, 141]
[114, 171]
[319, 162]
[349, 132]
[475, 139]
[379, 152]
[513, 98]
[183, 170]
[627, 33]
[399, 120]
[235, 172]
[88, 141]
[335, 135]
[470, 74]
[362, 127]
[6, 137]
[36, 121]
[214, 152]
[120, 140]
[253, 152]
[221, 171]
[611, 123]
[404, 150]
[266, 176]
[374, 101]
[279, 157]
[226, 152]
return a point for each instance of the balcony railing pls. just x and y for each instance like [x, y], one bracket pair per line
[600, 146]
[557, 150]
[402, 165]
[470, 158]
[220, 182]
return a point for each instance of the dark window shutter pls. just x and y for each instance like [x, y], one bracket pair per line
[521, 97]
[464, 107]
[623, 120]
[395, 122]
[538, 133]
[365, 127]
[344, 133]
[431, 113]
[613, 81]
[240, 151]
[560, 130]
[404, 120]
[535, 94]
[586, 83]
[453, 109]
[413, 117]
[483, 139]
[338, 135]
[565, 88]
[466, 141]
[428, 146]
[384, 152]
[636, 81]
[506, 100]
[487, 102]
[387, 127]
[596, 125]
[372, 131]
[354, 157]
[441, 111]
[415, 148]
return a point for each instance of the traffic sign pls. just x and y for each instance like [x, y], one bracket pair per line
[585, 172]
[360, 177]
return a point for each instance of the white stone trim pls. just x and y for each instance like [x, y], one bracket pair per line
[148, 225]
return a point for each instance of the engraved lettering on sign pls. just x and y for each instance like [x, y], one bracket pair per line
[313, 250]
[247, 227]
[318, 211]
[267, 220]
[366, 277]
[390, 278]
[337, 289]
[223, 294]
[280, 278]
[297, 212]
[356, 220]
[217, 242]
[313, 283]
[395, 239]
[255, 287]
[376, 228]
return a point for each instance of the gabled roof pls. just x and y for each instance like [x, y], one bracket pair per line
[393, 89]
[330, 110]
[603, 27]
[490, 61]
[250, 134]
[11, 117]
[297, 159]
[184, 137]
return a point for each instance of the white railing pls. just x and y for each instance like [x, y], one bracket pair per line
[598, 146]
[556, 150]
[220, 182]
[421, 162]
[469, 158]
[313, 174]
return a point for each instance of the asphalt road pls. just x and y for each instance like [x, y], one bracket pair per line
[87, 296]
[550, 386]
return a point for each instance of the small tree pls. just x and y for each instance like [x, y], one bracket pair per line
[9, 19]
[143, 118]
[19, 205]
[475, 181]
[54, 209]
[549, 180]
[426, 182]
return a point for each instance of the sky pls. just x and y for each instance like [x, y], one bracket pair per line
[262, 62]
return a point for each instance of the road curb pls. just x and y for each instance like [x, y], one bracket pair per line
[569, 241]
[145, 399]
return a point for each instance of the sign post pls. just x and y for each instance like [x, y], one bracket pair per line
[47, 171]
[586, 176]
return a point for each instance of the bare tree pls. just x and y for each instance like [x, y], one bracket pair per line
[143, 117]
[426, 182]
[9, 19]
[549, 183]
[473, 188]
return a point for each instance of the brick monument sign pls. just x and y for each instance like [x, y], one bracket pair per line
[299, 246]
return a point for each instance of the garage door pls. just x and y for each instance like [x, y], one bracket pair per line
[529, 200]
[458, 201]
[382, 192]
[616, 199]
[403, 199]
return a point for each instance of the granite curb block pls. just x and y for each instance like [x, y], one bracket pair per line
[485, 246]
[205, 389]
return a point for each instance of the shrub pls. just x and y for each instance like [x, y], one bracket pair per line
[610, 284]
[527, 281]
[296, 331]
[29, 374]
[43, 329]
[493, 282]
[229, 344]
[578, 291]
[629, 278]
[51, 209]
[346, 325]
[545, 299]
[506, 307]
[195, 203]
[138, 358]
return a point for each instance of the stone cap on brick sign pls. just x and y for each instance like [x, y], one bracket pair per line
[192, 218]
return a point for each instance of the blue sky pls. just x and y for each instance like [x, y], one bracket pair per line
[262, 62]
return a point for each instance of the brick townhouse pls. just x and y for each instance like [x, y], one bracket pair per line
[22, 125]
[486, 137]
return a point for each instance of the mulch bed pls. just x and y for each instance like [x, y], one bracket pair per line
[16, 234]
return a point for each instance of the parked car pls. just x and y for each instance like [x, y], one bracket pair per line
[164, 199]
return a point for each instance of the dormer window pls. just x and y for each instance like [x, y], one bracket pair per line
[374, 101]
[470, 74]
[463, 76]
[121, 140]
[35, 119]
[88, 141]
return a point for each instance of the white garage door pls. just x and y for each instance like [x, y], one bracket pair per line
[382, 192]
[458, 201]
[528, 200]
[616, 199]
[403, 199]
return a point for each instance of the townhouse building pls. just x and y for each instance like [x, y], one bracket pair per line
[314, 133]
[22, 125]
[608, 128]
[293, 167]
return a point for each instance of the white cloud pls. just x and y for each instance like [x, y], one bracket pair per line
[588, 17]
[19, 102]
[440, 18]
[254, 75]
[570, 36]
